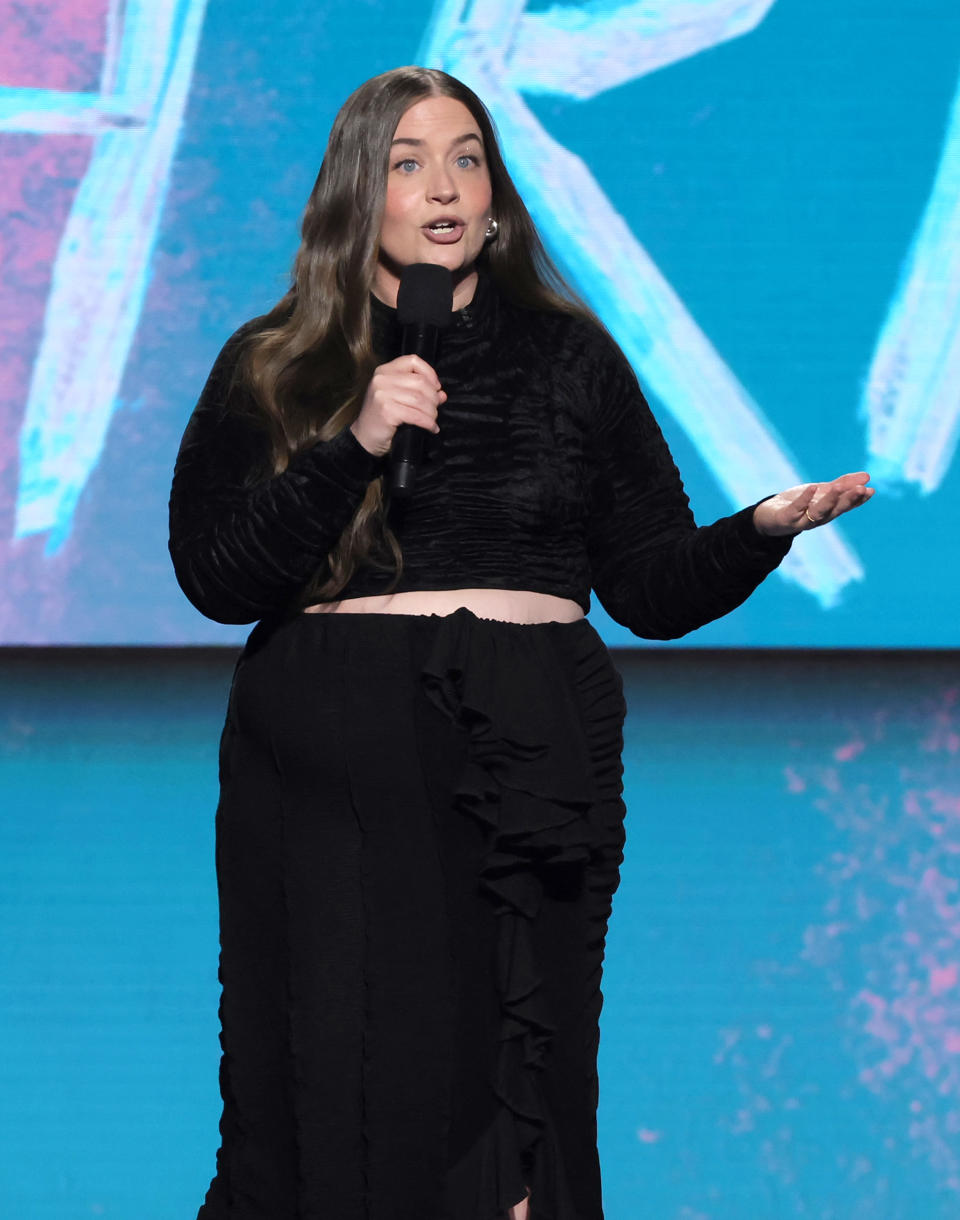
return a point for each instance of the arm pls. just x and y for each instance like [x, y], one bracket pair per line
[653, 570]
[243, 542]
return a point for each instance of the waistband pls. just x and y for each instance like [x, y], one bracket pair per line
[478, 601]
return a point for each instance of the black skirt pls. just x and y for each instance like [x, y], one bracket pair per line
[419, 833]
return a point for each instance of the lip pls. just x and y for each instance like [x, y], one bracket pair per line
[445, 239]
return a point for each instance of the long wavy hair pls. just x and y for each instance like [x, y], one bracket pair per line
[309, 365]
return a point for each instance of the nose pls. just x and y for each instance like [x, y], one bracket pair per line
[441, 188]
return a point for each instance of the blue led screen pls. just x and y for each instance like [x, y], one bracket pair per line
[759, 197]
[780, 1035]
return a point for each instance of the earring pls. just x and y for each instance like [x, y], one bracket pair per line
[492, 229]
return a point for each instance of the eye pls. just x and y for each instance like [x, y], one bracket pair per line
[465, 160]
[407, 165]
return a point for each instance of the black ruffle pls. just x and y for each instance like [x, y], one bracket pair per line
[528, 781]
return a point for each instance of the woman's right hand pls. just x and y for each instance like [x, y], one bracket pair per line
[403, 391]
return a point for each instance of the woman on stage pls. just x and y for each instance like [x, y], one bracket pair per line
[420, 824]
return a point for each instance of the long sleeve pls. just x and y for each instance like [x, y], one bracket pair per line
[653, 570]
[244, 543]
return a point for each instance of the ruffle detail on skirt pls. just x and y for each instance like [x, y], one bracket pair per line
[528, 780]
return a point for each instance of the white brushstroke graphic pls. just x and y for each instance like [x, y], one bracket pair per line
[501, 51]
[911, 401]
[101, 272]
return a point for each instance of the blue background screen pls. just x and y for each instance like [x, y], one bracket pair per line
[760, 200]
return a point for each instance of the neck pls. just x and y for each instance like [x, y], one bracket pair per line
[386, 284]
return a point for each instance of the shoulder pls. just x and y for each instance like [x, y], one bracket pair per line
[225, 389]
[225, 398]
[573, 335]
[573, 339]
[581, 352]
[234, 346]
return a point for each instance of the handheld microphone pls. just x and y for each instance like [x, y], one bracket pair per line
[424, 309]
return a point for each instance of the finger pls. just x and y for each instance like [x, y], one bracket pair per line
[410, 383]
[425, 404]
[423, 417]
[801, 506]
[416, 365]
[822, 504]
[405, 395]
[855, 478]
[840, 494]
[410, 411]
[834, 503]
[852, 498]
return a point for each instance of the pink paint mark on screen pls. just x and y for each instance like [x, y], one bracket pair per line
[54, 45]
[890, 937]
[40, 177]
[849, 750]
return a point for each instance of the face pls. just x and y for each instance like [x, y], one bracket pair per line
[438, 197]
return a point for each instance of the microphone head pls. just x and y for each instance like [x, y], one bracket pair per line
[425, 296]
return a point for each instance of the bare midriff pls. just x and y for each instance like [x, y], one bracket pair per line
[506, 605]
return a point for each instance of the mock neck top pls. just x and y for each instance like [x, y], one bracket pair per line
[466, 323]
[549, 474]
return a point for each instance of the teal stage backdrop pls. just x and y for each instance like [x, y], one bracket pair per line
[781, 1030]
[759, 198]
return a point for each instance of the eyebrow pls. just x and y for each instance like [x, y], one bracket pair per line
[470, 135]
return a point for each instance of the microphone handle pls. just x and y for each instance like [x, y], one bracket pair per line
[406, 449]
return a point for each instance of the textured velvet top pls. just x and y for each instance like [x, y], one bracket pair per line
[549, 473]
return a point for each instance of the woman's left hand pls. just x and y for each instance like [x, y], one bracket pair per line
[811, 504]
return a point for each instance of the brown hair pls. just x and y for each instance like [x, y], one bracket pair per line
[310, 366]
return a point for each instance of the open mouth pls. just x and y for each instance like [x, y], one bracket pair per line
[445, 229]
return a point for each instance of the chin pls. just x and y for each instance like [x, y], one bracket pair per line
[459, 262]
[450, 256]
[456, 257]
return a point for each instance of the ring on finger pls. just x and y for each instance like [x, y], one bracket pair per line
[812, 520]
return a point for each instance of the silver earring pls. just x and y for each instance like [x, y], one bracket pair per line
[492, 229]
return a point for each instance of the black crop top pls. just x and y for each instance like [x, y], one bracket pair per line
[549, 474]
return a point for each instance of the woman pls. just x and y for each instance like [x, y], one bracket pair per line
[420, 824]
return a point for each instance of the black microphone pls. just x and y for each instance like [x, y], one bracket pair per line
[424, 309]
